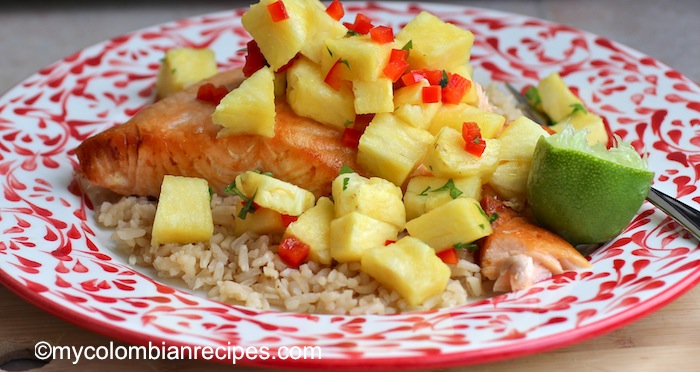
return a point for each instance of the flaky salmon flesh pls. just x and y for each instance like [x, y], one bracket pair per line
[176, 136]
[519, 253]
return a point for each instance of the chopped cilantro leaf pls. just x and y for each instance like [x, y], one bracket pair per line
[329, 51]
[345, 183]
[533, 97]
[345, 62]
[576, 108]
[248, 205]
[345, 169]
[352, 33]
[471, 247]
[424, 192]
[408, 45]
[491, 218]
[444, 80]
[450, 186]
[348, 123]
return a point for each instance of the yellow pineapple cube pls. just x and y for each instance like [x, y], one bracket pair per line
[279, 41]
[409, 267]
[459, 221]
[374, 197]
[365, 58]
[183, 214]
[409, 106]
[519, 138]
[310, 97]
[261, 221]
[425, 193]
[509, 180]
[446, 157]
[454, 116]
[313, 228]
[250, 108]
[183, 67]
[275, 194]
[558, 100]
[321, 27]
[436, 44]
[373, 97]
[355, 232]
[564, 107]
[586, 121]
[391, 149]
[417, 116]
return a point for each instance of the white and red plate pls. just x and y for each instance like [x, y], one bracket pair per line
[54, 255]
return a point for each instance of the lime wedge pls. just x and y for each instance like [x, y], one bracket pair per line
[586, 194]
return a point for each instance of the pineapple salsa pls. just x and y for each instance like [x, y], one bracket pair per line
[406, 103]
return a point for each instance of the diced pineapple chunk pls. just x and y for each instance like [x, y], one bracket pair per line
[373, 97]
[409, 267]
[558, 100]
[412, 94]
[310, 97]
[183, 67]
[279, 41]
[586, 121]
[436, 44]
[365, 58]
[564, 107]
[454, 116]
[321, 27]
[446, 157]
[355, 232]
[519, 138]
[275, 194]
[425, 193]
[313, 228]
[418, 116]
[183, 214]
[391, 149]
[262, 221]
[374, 197]
[510, 181]
[250, 108]
[459, 221]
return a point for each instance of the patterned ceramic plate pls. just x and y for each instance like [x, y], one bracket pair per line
[53, 254]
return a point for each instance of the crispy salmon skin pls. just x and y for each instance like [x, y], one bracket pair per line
[176, 136]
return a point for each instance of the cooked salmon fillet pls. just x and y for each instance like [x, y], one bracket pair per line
[176, 136]
[519, 253]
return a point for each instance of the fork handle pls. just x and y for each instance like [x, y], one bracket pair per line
[685, 215]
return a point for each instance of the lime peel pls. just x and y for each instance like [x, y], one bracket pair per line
[584, 193]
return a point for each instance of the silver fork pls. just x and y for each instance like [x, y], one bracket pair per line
[686, 216]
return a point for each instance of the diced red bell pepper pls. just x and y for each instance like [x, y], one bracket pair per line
[287, 219]
[254, 60]
[277, 10]
[456, 88]
[335, 10]
[362, 24]
[351, 137]
[394, 70]
[412, 77]
[449, 256]
[387, 242]
[334, 77]
[474, 144]
[382, 34]
[293, 251]
[397, 64]
[431, 94]
[209, 92]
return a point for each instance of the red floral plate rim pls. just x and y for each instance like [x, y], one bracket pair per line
[53, 254]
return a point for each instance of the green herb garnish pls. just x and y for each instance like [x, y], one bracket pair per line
[471, 247]
[450, 186]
